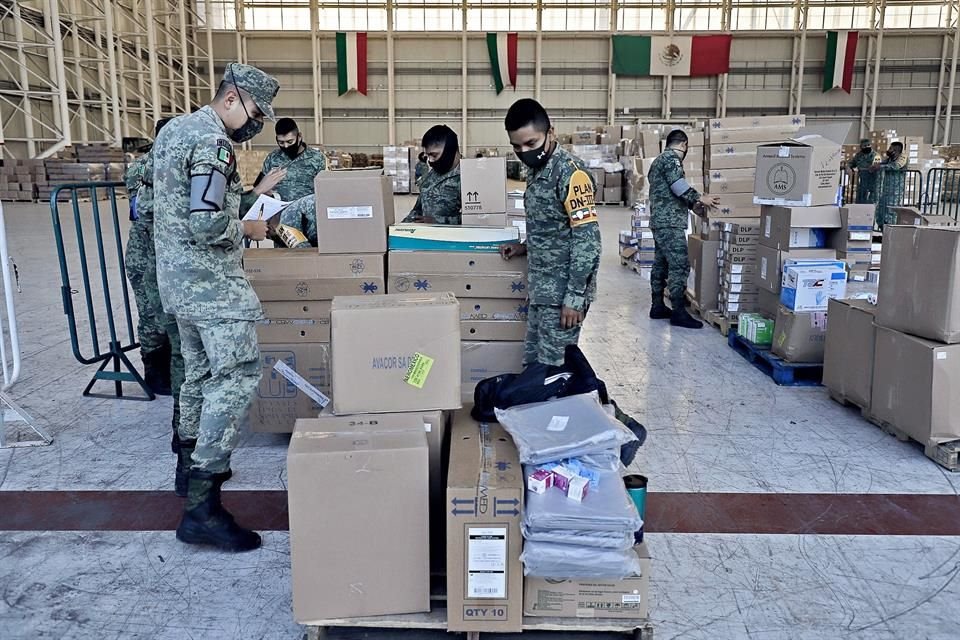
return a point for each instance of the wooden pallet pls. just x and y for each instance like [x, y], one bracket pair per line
[436, 620]
[717, 319]
[947, 454]
[843, 400]
[785, 374]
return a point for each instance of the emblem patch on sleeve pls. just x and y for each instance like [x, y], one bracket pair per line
[580, 202]
[224, 155]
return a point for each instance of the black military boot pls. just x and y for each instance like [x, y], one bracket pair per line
[680, 317]
[205, 521]
[659, 310]
[156, 371]
[629, 451]
[184, 462]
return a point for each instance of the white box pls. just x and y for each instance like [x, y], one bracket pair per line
[809, 288]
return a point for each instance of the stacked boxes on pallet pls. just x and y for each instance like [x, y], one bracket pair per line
[738, 269]
[20, 179]
[399, 163]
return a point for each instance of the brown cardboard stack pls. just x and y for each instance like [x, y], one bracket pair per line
[917, 356]
[854, 240]
[730, 158]
[703, 283]
[849, 350]
[493, 309]
[483, 188]
[60, 171]
[738, 269]
[250, 164]
[98, 153]
[19, 179]
[399, 163]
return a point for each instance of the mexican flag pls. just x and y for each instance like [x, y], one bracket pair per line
[351, 63]
[671, 55]
[841, 56]
[503, 59]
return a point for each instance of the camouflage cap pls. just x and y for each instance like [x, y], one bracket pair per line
[865, 142]
[262, 88]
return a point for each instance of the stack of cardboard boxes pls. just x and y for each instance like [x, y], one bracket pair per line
[399, 163]
[738, 269]
[516, 212]
[296, 289]
[19, 179]
[902, 367]
[250, 164]
[854, 241]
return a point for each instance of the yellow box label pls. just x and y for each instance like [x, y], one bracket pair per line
[418, 370]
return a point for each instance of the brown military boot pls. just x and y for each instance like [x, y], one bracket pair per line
[206, 522]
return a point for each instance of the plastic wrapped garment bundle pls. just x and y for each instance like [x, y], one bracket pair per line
[606, 508]
[547, 560]
[568, 427]
[595, 539]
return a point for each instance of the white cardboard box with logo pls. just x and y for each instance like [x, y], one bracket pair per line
[804, 172]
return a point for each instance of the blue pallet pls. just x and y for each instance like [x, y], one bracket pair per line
[785, 374]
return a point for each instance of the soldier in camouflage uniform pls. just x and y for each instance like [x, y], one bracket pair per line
[892, 184]
[863, 161]
[299, 163]
[563, 235]
[671, 196]
[199, 243]
[439, 199]
[156, 346]
[301, 214]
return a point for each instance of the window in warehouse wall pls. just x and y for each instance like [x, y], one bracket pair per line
[277, 15]
[641, 15]
[358, 15]
[576, 15]
[763, 15]
[427, 15]
[222, 14]
[698, 15]
[836, 15]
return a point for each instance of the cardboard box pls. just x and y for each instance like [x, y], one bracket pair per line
[857, 217]
[723, 187]
[341, 565]
[804, 172]
[450, 238]
[849, 350]
[789, 227]
[279, 403]
[611, 180]
[515, 204]
[732, 160]
[353, 211]
[492, 285]
[920, 288]
[622, 599]
[483, 185]
[493, 309]
[283, 275]
[733, 175]
[800, 336]
[307, 321]
[493, 330]
[727, 211]
[453, 263]
[485, 488]
[482, 360]
[913, 217]
[810, 287]
[498, 220]
[770, 263]
[914, 386]
[399, 352]
[716, 125]
[704, 279]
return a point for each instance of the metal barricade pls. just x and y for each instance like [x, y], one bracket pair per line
[942, 193]
[913, 188]
[100, 304]
[10, 413]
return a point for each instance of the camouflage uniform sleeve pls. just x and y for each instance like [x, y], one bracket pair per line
[133, 176]
[580, 207]
[416, 212]
[451, 198]
[321, 161]
[212, 166]
[247, 200]
[673, 170]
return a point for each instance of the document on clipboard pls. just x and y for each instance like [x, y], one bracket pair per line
[265, 208]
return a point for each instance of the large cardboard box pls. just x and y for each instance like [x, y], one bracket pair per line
[621, 599]
[453, 263]
[399, 352]
[279, 403]
[800, 336]
[353, 211]
[794, 227]
[728, 211]
[770, 263]
[732, 160]
[482, 360]
[349, 488]
[307, 321]
[704, 279]
[483, 185]
[284, 275]
[450, 238]
[485, 487]
[493, 330]
[716, 125]
[803, 172]
[498, 220]
[811, 287]
[768, 303]
[920, 288]
[491, 285]
[849, 350]
[857, 217]
[915, 386]
[723, 187]
[493, 309]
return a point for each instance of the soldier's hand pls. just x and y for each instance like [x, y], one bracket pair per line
[570, 318]
[512, 250]
[427, 220]
[711, 202]
[270, 180]
[255, 229]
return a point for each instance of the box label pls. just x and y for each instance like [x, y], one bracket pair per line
[486, 562]
[349, 213]
[301, 383]
[418, 370]
[558, 423]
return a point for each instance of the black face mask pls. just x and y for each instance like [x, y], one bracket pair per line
[293, 150]
[444, 163]
[865, 150]
[536, 158]
[251, 128]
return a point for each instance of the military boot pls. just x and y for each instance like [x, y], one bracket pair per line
[156, 371]
[184, 462]
[205, 521]
[680, 317]
[659, 310]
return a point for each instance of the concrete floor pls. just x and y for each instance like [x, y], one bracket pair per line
[717, 426]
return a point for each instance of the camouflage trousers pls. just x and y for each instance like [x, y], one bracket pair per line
[546, 341]
[155, 328]
[671, 264]
[222, 361]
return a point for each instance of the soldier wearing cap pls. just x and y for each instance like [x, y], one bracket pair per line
[199, 245]
[866, 180]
